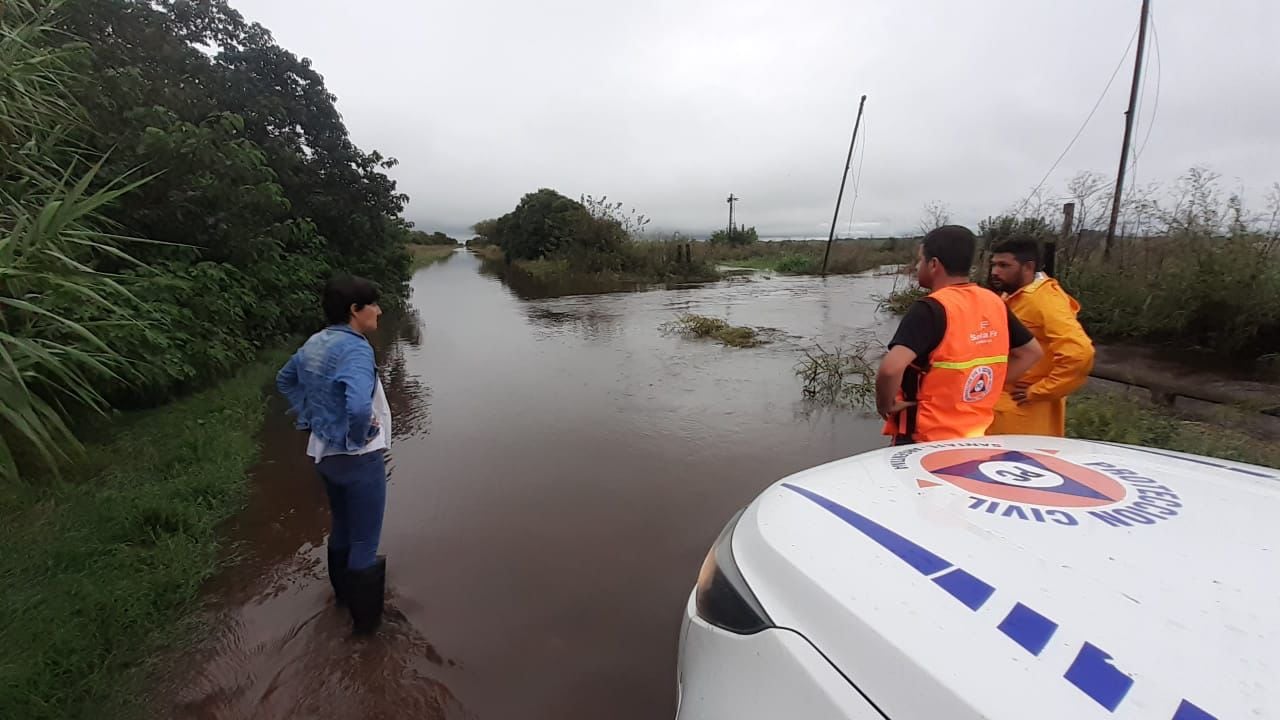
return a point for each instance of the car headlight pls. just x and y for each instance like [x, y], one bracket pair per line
[723, 598]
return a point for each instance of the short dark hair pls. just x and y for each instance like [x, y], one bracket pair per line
[1025, 250]
[953, 246]
[343, 291]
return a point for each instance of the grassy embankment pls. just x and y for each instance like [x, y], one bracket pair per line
[424, 255]
[102, 568]
[804, 257]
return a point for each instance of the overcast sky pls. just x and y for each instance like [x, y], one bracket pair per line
[670, 105]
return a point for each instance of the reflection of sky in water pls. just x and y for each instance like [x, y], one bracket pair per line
[533, 438]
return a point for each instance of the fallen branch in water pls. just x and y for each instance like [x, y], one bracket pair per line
[842, 375]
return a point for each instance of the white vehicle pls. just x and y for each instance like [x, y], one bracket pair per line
[1001, 578]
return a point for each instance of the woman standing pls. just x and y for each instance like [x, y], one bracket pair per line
[332, 387]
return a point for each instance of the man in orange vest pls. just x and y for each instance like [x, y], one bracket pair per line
[1037, 403]
[953, 351]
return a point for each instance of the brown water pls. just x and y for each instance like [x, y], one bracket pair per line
[559, 467]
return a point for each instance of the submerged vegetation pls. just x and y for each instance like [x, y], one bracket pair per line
[842, 375]
[700, 326]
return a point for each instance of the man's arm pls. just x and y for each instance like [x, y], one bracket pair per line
[1022, 359]
[889, 381]
[1068, 344]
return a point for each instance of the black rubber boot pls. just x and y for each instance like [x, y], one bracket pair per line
[366, 590]
[338, 574]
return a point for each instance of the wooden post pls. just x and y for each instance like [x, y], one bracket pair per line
[1051, 247]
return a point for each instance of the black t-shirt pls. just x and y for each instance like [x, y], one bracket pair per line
[922, 329]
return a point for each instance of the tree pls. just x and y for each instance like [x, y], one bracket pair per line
[737, 238]
[936, 214]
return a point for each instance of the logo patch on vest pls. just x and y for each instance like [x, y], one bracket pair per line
[978, 385]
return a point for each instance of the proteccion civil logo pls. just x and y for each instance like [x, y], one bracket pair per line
[1037, 486]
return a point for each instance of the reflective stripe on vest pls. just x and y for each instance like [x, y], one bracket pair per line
[965, 372]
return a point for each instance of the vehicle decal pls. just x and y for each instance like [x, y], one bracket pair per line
[1036, 486]
[1092, 671]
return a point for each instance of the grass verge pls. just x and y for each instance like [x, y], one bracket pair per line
[1115, 417]
[424, 255]
[100, 569]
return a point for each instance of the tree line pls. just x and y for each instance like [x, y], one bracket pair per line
[176, 186]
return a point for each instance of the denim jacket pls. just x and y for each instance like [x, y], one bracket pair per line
[329, 383]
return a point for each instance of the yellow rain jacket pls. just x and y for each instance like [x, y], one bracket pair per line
[1049, 313]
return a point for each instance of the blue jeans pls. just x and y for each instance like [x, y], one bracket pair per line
[357, 487]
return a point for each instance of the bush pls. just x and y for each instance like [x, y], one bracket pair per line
[735, 237]
[899, 301]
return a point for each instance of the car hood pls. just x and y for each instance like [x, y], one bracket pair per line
[1030, 577]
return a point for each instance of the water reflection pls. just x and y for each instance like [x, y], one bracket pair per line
[560, 467]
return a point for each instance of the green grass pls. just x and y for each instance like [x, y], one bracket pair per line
[424, 255]
[100, 569]
[1122, 419]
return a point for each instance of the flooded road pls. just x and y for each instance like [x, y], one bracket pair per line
[559, 468]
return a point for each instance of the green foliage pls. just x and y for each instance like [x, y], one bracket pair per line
[700, 326]
[842, 375]
[548, 234]
[805, 256]
[52, 361]
[420, 237]
[542, 223]
[259, 190]
[736, 237]
[110, 560]
[1210, 278]
[1122, 419]
[899, 300]
[1004, 227]
[798, 264]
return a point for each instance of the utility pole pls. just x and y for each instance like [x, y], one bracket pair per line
[731, 201]
[1128, 129]
[848, 163]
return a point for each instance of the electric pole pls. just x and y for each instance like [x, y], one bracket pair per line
[1128, 129]
[848, 163]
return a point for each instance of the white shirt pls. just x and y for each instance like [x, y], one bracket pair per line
[317, 449]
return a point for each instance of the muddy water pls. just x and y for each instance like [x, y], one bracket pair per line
[559, 468]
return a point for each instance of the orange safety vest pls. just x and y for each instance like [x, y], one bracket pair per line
[961, 379]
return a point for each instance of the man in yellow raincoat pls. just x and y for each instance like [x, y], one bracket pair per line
[1037, 403]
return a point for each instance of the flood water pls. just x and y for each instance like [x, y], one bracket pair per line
[559, 467]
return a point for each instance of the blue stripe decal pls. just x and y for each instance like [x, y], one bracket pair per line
[1198, 461]
[964, 587]
[1187, 711]
[1091, 671]
[912, 554]
[1094, 674]
[1028, 628]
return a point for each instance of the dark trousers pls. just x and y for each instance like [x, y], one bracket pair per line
[357, 488]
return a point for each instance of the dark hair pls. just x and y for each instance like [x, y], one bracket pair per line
[953, 246]
[343, 291]
[1025, 250]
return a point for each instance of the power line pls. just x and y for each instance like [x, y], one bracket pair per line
[1155, 105]
[1083, 125]
[857, 181]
